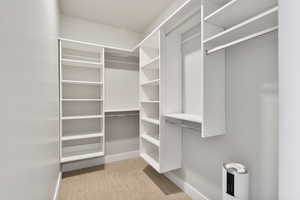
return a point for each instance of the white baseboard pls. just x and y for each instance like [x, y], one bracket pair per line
[186, 187]
[57, 187]
[99, 161]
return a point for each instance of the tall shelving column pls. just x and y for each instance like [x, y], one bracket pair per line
[81, 101]
[150, 101]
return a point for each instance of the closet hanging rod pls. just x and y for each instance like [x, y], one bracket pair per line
[183, 125]
[181, 22]
[241, 40]
[122, 115]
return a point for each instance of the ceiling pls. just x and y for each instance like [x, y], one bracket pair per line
[134, 15]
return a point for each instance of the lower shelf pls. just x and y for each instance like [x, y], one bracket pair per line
[82, 136]
[150, 139]
[150, 120]
[151, 159]
[81, 157]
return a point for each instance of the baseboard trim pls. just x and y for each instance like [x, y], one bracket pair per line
[186, 187]
[57, 187]
[99, 161]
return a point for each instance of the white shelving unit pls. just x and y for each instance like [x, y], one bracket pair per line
[81, 101]
[159, 149]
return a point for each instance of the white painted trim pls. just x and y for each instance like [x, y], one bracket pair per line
[186, 187]
[99, 161]
[57, 187]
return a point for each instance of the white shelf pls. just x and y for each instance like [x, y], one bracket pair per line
[152, 160]
[82, 156]
[150, 139]
[81, 63]
[122, 110]
[82, 136]
[80, 100]
[185, 117]
[149, 101]
[81, 82]
[236, 11]
[151, 83]
[150, 120]
[82, 117]
[152, 64]
[253, 25]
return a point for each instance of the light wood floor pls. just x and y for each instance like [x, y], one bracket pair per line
[131, 179]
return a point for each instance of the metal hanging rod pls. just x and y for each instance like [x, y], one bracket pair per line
[184, 125]
[241, 40]
[122, 115]
[181, 22]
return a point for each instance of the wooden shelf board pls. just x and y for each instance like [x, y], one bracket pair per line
[151, 83]
[81, 63]
[185, 117]
[150, 139]
[236, 11]
[122, 110]
[149, 101]
[82, 136]
[150, 120]
[152, 64]
[150, 160]
[82, 117]
[82, 82]
[253, 25]
[81, 157]
[76, 100]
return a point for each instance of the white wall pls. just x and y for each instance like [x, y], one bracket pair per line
[289, 98]
[251, 138]
[29, 99]
[79, 29]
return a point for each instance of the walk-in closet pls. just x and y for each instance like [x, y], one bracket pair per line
[150, 100]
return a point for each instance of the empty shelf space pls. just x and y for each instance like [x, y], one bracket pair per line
[150, 120]
[82, 156]
[81, 63]
[185, 117]
[82, 136]
[149, 101]
[152, 64]
[236, 11]
[81, 82]
[80, 100]
[150, 138]
[151, 83]
[82, 117]
[252, 25]
[152, 159]
[122, 110]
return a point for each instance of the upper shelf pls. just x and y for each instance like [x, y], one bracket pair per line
[151, 83]
[81, 63]
[260, 22]
[185, 117]
[236, 11]
[123, 110]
